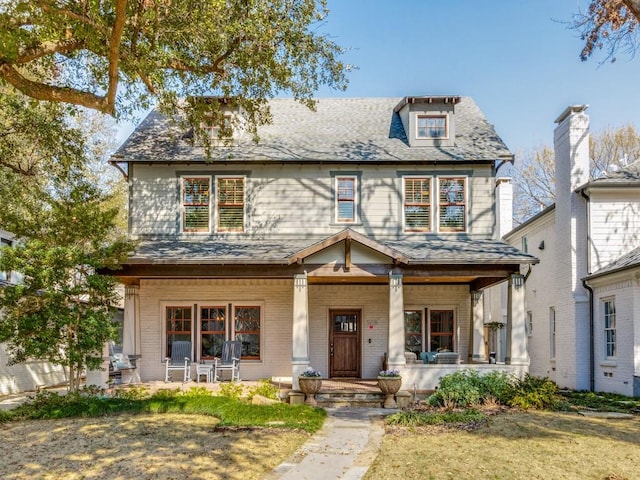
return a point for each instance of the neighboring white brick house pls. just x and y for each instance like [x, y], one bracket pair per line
[588, 241]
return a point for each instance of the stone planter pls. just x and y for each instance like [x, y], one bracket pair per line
[390, 386]
[310, 386]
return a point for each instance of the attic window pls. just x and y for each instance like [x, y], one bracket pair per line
[212, 128]
[432, 126]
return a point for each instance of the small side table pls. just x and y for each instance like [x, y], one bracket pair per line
[204, 369]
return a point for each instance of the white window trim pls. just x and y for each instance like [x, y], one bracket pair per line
[431, 205]
[553, 332]
[605, 357]
[433, 115]
[436, 217]
[216, 206]
[181, 204]
[356, 200]
[529, 323]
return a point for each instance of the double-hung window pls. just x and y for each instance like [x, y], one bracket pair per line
[212, 331]
[452, 204]
[413, 332]
[441, 328]
[432, 126]
[610, 344]
[195, 203]
[230, 204]
[417, 204]
[247, 330]
[346, 198]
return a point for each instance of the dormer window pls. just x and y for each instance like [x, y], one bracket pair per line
[212, 128]
[432, 126]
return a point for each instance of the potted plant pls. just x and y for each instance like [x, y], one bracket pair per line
[310, 382]
[389, 381]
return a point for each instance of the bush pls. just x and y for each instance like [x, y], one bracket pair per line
[468, 388]
[231, 390]
[412, 418]
[132, 393]
[264, 388]
[535, 392]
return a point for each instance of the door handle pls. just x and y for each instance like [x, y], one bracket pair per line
[331, 350]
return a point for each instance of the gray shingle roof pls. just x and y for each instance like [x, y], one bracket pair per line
[341, 130]
[630, 260]
[429, 251]
[628, 175]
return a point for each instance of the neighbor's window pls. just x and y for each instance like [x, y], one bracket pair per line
[529, 324]
[413, 331]
[247, 330]
[417, 204]
[452, 204]
[231, 204]
[552, 332]
[432, 127]
[179, 321]
[195, 204]
[441, 327]
[212, 331]
[610, 348]
[346, 199]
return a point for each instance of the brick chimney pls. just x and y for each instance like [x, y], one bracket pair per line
[571, 144]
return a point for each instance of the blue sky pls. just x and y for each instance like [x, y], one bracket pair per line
[516, 58]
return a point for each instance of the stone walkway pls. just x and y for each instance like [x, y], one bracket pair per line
[344, 448]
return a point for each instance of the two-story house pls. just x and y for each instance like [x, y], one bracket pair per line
[583, 299]
[358, 232]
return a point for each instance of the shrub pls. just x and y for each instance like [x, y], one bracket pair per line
[468, 388]
[264, 388]
[197, 392]
[231, 390]
[412, 418]
[132, 393]
[535, 392]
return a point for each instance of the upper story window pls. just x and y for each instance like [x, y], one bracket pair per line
[417, 204]
[212, 128]
[346, 199]
[432, 126]
[195, 203]
[452, 204]
[610, 343]
[231, 200]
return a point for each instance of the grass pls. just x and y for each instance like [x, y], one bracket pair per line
[515, 445]
[167, 435]
[230, 412]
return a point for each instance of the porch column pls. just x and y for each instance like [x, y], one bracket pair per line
[516, 351]
[300, 346]
[476, 329]
[100, 377]
[130, 335]
[396, 358]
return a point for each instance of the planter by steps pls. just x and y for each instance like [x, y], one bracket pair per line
[310, 386]
[389, 386]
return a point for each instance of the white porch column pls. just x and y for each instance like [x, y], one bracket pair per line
[130, 340]
[300, 347]
[100, 378]
[476, 332]
[516, 351]
[396, 358]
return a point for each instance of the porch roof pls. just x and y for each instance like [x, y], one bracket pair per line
[427, 251]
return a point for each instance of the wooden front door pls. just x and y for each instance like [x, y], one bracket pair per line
[344, 343]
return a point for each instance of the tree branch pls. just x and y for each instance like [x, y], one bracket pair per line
[114, 50]
[48, 48]
[73, 15]
[51, 93]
